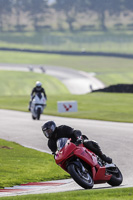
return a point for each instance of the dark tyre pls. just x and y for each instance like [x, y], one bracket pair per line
[38, 113]
[33, 117]
[82, 178]
[116, 178]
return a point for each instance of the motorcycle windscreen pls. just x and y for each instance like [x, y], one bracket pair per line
[61, 143]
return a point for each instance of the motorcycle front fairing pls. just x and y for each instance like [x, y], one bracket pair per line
[38, 102]
[84, 154]
[70, 150]
[64, 153]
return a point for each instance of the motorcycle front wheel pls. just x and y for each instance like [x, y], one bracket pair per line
[116, 178]
[33, 117]
[84, 179]
[38, 113]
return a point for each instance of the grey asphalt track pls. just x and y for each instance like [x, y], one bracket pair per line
[77, 82]
[115, 139]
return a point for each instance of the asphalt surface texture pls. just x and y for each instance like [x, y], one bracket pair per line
[115, 140]
[77, 82]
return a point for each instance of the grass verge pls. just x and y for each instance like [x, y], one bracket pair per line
[16, 88]
[108, 41]
[21, 83]
[22, 165]
[98, 106]
[110, 70]
[109, 194]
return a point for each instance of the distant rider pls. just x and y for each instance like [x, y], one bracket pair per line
[53, 133]
[37, 89]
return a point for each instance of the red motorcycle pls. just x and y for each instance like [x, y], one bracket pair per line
[84, 166]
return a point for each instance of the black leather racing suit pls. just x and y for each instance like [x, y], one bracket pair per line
[35, 91]
[64, 131]
[38, 90]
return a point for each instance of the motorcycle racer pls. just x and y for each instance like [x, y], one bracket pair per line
[53, 133]
[37, 89]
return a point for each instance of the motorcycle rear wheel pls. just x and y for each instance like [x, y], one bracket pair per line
[82, 178]
[116, 178]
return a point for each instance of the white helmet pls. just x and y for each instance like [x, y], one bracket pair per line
[38, 84]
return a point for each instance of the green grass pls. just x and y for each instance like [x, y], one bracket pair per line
[96, 64]
[14, 94]
[21, 83]
[108, 194]
[110, 41]
[108, 69]
[98, 106]
[22, 165]
[116, 77]
[16, 88]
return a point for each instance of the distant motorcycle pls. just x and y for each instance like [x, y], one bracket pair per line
[37, 106]
[84, 166]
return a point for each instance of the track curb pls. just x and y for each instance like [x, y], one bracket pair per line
[34, 188]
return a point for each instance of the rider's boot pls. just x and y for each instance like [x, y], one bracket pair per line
[105, 158]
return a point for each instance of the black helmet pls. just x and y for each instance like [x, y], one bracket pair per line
[48, 128]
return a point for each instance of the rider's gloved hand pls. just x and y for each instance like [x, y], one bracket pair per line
[79, 140]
